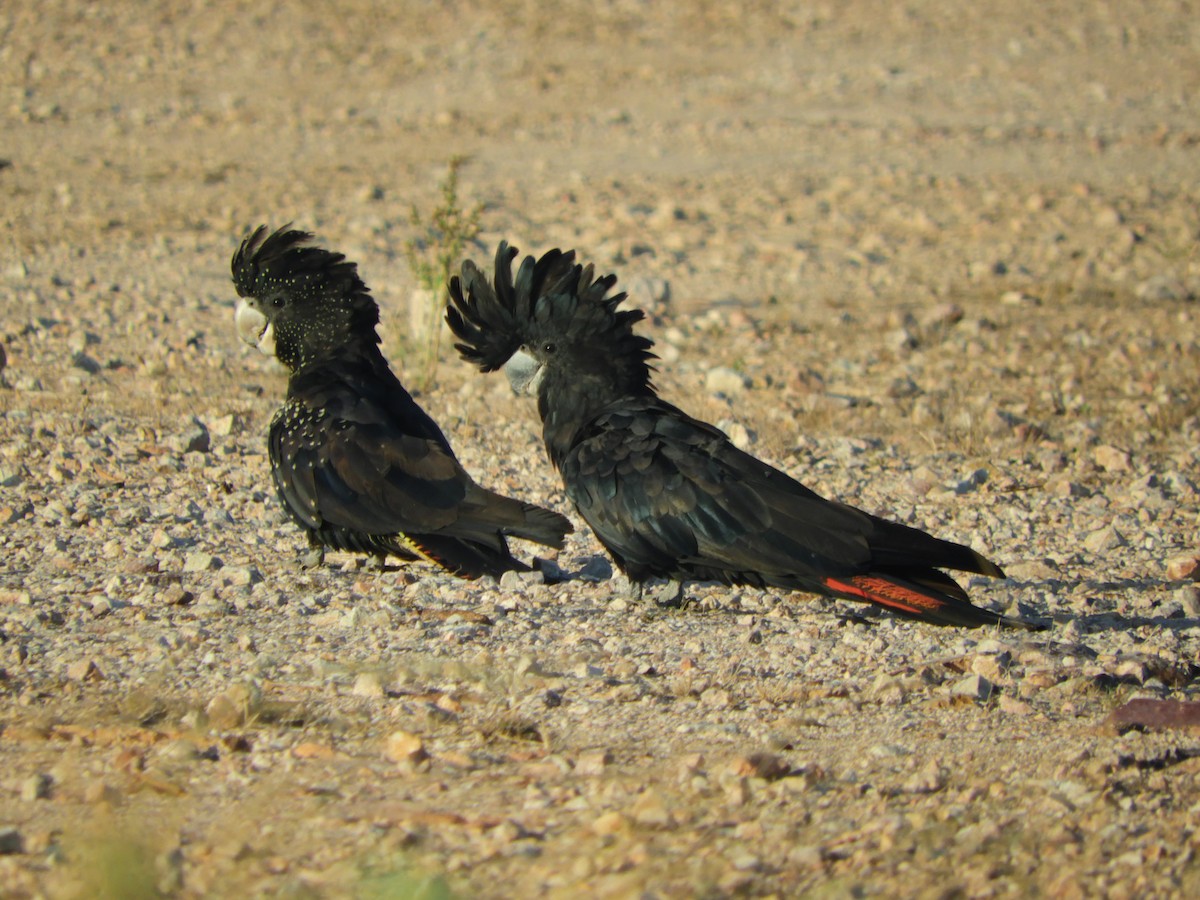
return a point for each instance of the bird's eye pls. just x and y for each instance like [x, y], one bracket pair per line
[548, 348]
[277, 302]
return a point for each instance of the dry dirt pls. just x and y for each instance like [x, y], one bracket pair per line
[937, 259]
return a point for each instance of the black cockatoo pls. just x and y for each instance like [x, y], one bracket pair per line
[668, 495]
[356, 462]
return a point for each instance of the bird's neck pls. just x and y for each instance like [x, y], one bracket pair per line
[568, 406]
[363, 350]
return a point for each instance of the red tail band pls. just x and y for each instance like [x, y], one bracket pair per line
[886, 593]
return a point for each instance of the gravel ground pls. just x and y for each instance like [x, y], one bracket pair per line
[935, 259]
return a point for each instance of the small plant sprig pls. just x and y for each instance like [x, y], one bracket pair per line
[437, 246]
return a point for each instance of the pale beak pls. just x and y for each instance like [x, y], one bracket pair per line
[254, 328]
[524, 373]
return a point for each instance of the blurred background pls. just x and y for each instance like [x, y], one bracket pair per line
[785, 146]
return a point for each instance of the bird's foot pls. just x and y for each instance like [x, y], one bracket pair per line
[551, 573]
[669, 595]
[314, 558]
[376, 562]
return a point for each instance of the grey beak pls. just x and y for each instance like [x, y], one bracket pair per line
[524, 372]
[253, 328]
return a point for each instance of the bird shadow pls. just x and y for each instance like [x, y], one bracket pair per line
[1106, 620]
[595, 569]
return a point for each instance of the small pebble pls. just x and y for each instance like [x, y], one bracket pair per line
[1184, 567]
[368, 684]
[725, 381]
[406, 749]
[35, 787]
[84, 670]
[974, 686]
[10, 841]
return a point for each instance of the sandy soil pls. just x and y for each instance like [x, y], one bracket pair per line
[937, 259]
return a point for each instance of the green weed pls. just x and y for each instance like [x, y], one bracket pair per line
[438, 244]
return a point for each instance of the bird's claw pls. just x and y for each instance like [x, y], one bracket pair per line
[314, 558]
[668, 596]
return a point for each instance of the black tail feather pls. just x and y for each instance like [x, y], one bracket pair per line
[899, 548]
[541, 526]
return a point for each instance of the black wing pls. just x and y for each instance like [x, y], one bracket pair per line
[344, 458]
[344, 467]
[670, 496]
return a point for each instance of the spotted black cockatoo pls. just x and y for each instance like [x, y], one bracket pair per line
[357, 463]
